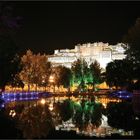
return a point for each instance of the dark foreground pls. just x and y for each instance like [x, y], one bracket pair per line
[62, 135]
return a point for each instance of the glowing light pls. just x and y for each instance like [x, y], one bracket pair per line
[136, 118]
[51, 79]
[104, 105]
[12, 113]
[42, 101]
[51, 107]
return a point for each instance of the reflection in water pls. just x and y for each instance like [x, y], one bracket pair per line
[83, 115]
[35, 121]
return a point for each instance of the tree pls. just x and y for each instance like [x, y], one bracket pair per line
[64, 109]
[119, 73]
[84, 75]
[62, 76]
[132, 38]
[45, 71]
[80, 73]
[87, 112]
[9, 61]
[27, 71]
[9, 58]
[120, 115]
[83, 113]
[66, 77]
[17, 82]
[35, 122]
[95, 73]
[36, 69]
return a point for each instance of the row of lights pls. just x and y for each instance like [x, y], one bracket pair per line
[19, 96]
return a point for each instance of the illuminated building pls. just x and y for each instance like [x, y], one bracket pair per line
[102, 52]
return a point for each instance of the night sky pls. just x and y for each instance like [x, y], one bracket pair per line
[56, 25]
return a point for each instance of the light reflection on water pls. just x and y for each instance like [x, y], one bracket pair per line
[103, 130]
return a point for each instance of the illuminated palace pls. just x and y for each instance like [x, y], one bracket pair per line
[102, 52]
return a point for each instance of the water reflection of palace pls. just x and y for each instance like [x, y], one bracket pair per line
[103, 130]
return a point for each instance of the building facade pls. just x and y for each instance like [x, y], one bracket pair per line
[99, 51]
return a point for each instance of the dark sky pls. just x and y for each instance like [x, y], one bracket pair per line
[56, 25]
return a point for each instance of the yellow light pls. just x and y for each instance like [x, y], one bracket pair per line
[51, 79]
[12, 113]
[104, 105]
[51, 107]
[42, 101]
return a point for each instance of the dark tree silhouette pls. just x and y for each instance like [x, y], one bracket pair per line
[17, 82]
[120, 115]
[132, 38]
[96, 73]
[10, 61]
[65, 109]
[62, 76]
[8, 127]
[119, 73]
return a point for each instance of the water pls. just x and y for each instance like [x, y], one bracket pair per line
[34, 98]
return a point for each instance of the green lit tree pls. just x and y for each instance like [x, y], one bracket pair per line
[82, 113]
[87, 112]
[80, 72]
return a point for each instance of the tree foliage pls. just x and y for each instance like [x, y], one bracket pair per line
[9, 61]
[62, 76]
[82, 113]
[17, 82]
[84, 74]
[132, 38]
[120, 115]
[79, 70]
[87, 112]
[64, 109]
[36, 69]
[119, 73]
[95, 72]
[35, 122]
